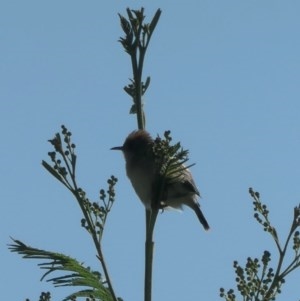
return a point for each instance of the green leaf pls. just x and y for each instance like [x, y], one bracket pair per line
[146, 85]
[87, 294]
[154, 21]
[125, 25]
[75, 274]
[53, 172]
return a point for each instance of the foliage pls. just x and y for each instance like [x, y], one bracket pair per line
[135, 43]
[170, 159]
[63, 168]
[258, 281]
[74, 273]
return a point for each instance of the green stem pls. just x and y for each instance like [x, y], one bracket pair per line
[151, 216]
[138, 97]
[278, 275]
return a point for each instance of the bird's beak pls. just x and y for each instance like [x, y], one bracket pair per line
[117, 148]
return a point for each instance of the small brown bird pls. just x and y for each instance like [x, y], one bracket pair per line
[142, 172]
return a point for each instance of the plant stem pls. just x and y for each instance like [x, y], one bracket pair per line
[105, 270]
[137, 50]
[151, 216]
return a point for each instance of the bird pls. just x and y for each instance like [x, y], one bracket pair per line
[142, 171]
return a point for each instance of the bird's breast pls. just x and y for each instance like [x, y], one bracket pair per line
[142, 184]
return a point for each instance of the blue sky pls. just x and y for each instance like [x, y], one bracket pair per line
[225, 81]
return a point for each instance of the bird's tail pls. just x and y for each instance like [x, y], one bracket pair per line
[200, 216]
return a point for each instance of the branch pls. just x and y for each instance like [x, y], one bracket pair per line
[257, 281]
